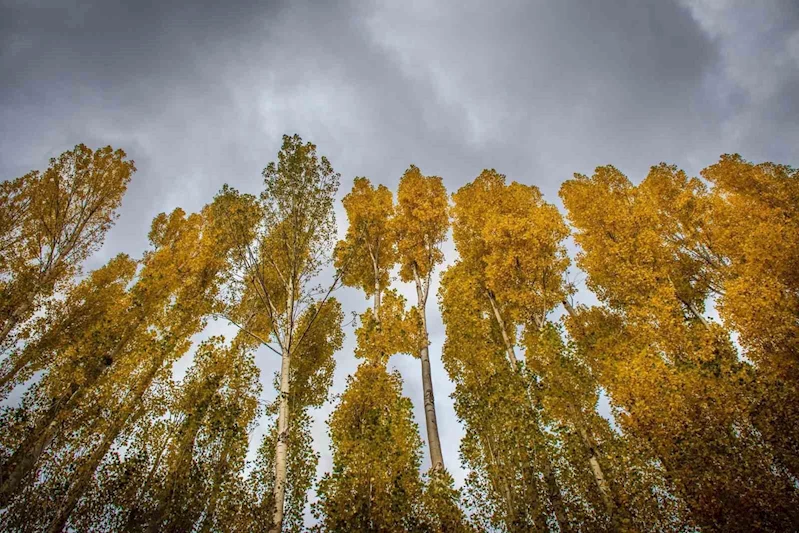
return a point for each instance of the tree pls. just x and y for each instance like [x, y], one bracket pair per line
[420, 226]
[510, 240]
[87, 307]
[664, 352]
[99, 382]
[749, 225]
[368, 249]
[52, 221]
[374, 485]
[504, 446]
[282, 242]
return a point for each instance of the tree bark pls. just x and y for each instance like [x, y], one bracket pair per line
[501, 323]
[433, 439]
[281, 449]
[377, 289]
[596, 470]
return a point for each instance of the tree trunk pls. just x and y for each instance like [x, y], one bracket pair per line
[281, 450]
[377, 290]
[596, 470]
[501, 323]
[436, 457]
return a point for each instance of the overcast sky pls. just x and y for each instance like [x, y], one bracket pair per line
[200, 95]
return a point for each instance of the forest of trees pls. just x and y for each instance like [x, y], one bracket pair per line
[694, 340]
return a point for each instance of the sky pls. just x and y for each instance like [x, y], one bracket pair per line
[199, 94]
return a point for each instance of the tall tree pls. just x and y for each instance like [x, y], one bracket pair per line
[283, 240]
[182, 266]
[420, 226]
[195, 464]
[668, 354]
[749, 243]
[87, 308]
[503, 445]
[52, 221]
[97, 385]
[512, 242]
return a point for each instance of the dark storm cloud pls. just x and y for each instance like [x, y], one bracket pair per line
[199, 94]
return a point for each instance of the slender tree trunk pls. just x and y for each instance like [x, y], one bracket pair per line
[436, 457]
[596, 469]
[593, 457]
[85, 474]
[378, 290]
[281, 450]
[501, 323]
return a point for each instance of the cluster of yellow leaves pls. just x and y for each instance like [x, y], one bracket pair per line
[421, 223]
[52, 221]
[653, 254]
[368, 252]
[375, 482]
[515, 240]
[395, 331]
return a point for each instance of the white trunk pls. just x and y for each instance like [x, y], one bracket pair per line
[501, 323]
[376, 271]
[596, 470]
[434, 442]
[281, 449]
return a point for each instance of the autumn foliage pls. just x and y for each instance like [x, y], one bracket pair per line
[692, 340]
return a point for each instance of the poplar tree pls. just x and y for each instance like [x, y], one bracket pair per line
[103, 392]
[52, 221]
[746, 238]
[375, 484]
[311, 377]
[282, 241]
[420, 226]
[666, 353]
